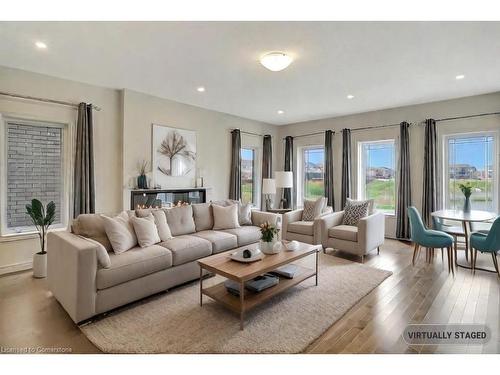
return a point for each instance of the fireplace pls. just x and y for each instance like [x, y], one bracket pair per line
[156, 198]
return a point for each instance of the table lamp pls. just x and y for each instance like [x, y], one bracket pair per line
[268, 189]
[284, 179]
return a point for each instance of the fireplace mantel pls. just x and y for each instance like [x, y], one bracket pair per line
[146, 198]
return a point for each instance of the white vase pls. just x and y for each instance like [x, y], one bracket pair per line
[176, 166]
[40, 265]
[268, 247]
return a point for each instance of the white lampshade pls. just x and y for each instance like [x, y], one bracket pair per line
[284, 179]
[268, 186]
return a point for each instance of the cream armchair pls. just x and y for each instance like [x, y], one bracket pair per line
[358, 240]
[294, 228]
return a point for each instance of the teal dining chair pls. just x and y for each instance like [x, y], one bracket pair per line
[429, 238]
[487, 243]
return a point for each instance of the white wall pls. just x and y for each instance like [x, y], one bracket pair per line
[122, 137]
[412, 114]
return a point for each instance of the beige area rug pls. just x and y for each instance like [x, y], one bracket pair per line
[174, 322]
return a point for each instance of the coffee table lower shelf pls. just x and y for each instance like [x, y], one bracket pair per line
[251, 299]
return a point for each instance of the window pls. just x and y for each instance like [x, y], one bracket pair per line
[248, 175]
[33, 169]
[377, 174]
[313, 178]
[470, 159]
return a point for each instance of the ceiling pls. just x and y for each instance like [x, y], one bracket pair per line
[383, 64]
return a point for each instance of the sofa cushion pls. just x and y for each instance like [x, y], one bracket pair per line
[221, 241]
[203, 216]
[246, 235]
[91, 226]
[132, 264]
[301, 227]
[180, 220]
[187, 248]
[344, 232]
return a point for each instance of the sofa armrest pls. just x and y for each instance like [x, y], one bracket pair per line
[371, 231]
[71, 273]
[325, 222]
[260, 217]
[290, 217]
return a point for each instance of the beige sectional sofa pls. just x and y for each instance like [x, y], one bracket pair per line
[85, 288]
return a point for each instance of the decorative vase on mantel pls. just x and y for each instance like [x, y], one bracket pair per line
[467, 206]
[142, 182]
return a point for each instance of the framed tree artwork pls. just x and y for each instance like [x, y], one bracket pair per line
[174, 156]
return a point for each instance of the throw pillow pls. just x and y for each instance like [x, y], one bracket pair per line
[371, 206]
[225, 217]
[313, 209]
[203, 217]
[180, 220]
[120, 232]
[245, 214]
[102, 253]
[162, 225]
[145, 230]
[354, 211]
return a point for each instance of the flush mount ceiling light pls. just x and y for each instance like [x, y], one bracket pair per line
[350, 96]
[40, 45]
[200, 89]
[460, 76]
[280, 112]
[276, 61]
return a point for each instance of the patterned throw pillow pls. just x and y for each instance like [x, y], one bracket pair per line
[354, 211]
[312, 209]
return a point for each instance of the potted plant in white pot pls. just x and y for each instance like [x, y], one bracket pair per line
[42, 218]
[268, 239]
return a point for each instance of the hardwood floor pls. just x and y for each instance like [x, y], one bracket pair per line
[424, 293]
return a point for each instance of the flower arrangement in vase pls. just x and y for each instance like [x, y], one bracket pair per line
[269, 234]
[467, 191]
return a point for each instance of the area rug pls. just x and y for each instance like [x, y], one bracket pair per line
[174, 322]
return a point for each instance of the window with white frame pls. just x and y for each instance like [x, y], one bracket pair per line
[248, 175]
[32, 168]
[377, 174]
[312, 172]
[470, 159]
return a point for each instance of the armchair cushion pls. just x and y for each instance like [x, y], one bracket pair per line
[302, 227]
[344, 232]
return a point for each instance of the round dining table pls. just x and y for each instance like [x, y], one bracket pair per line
[465, 218]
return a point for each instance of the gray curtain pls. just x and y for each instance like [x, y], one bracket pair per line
[346, 167]
[235, 176]
[267, 160]
[287, 192]
[83, 184]
[329, 191]
[429, 196]
[404, 183]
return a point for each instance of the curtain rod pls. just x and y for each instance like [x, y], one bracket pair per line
[34, 98]
[376, 127]
[468, 116]
[308, 135]
[249, 133]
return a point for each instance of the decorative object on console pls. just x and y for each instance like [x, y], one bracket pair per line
[268, 239]
[467, 191]
[42, 219]
[142, 181]
[268, 189]
[174, 154]
[284, 179]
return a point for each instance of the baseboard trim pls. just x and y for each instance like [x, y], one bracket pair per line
[16, 267]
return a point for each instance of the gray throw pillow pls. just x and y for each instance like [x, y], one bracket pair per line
[313, 209]
[245, 214]
[354, 211]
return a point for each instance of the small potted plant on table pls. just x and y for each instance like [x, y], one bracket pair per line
[268, 239]
[42, 218]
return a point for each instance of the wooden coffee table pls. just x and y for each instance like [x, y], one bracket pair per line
[221, 264]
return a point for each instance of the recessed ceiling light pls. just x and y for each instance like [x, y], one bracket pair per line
[460, 76]
[280, 112]
[40, 45]
[350, 96]
[200, 89]
[276, 61]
